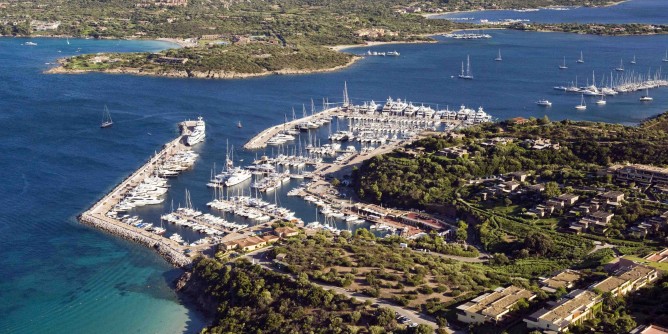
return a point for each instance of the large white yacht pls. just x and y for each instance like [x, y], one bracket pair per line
[237, 175]
[198, 133]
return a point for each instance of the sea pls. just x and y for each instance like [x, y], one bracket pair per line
[63, 277]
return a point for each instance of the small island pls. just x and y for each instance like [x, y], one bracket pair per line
[218, 61]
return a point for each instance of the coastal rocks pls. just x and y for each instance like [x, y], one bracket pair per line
[194, 289]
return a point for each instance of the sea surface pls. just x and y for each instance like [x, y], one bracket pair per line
[632, 11]
[63, 277]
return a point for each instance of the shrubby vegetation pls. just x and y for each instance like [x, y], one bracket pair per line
[250, 299]
[380, 268]
[242, 59]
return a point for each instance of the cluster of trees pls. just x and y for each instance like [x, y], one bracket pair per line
[250, 299]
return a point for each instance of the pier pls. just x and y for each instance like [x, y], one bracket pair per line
[260, 140]
[97, 217]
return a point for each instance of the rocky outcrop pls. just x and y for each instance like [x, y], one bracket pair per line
[194, 289]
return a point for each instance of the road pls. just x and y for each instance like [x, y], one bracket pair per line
[259, 257]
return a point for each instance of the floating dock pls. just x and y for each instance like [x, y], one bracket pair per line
[97, 217]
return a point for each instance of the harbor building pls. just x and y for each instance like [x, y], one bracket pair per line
[574, 308]
[493, 306]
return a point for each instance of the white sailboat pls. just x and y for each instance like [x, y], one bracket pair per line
[582, 105]
[498, 58]
[665, 58]
[646, 97]
[106, 118]
[634, 59]
[581, 60]
[621, 66]
[563, 65]
[601, 101]
[68, 40]
[468, 74]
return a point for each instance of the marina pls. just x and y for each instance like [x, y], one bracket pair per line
[104, 213]
[376, 128]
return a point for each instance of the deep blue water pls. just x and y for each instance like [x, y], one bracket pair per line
[632, 11]
[62, 277]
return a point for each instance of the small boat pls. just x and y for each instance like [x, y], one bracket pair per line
[544, 103]
[665, 59]
[393, 53]
[239, 125]
[498, 58]
[468, 75]
[634, 60]
[601, 101]
[581, 60]
[106, 118]
[30, 43]
[646, 97]
[68, 40]
[621, 66]
[563, 65]
[582, 105]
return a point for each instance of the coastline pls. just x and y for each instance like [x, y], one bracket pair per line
[432, 15]
[59, 69]
[340, 48]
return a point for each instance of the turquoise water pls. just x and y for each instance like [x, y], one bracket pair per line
[62, 277]
[632, 11]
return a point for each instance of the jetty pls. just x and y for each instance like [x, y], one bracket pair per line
[260, 140]
[96, 216]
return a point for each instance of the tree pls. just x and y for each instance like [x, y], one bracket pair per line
[499, 259]
[462, 231]
[423, 329]
[538, 243]
[384, 317]
[552, 189]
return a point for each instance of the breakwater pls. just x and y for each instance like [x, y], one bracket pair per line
[96, 215]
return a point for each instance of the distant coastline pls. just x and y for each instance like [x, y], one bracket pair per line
[432, 15]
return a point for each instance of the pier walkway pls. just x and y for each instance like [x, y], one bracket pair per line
[96, 216]
[260, 140]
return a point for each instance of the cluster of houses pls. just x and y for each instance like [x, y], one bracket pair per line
[36, 25]
[574, 308]
[162, 3]
[252, 243]
[595, 214]
[533, 144]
